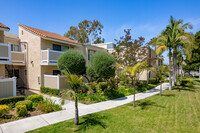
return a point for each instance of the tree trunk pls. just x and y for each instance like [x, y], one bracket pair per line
[174, 67]
[170, 78]
[199, 72]
[133, 93]
[76, 111]
[160, 86]
[181, 68]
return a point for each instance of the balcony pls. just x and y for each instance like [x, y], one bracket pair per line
[5, 53]
[18, 58]
[50, 57]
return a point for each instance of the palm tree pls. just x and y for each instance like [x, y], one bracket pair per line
[164, 44]
[75, 83]
[175, 31]
[159, 72]
[135, 72]
[173, 38]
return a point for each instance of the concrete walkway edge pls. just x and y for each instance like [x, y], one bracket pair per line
[31, 123]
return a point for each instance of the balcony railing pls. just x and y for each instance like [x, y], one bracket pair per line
[18, 58]
[50, 57]
[5, 54]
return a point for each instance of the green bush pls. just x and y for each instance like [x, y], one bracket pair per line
[72, 61]
[35, 98]
[102, 63]
[9, 100]
[103, 85]
[28, 104]
[3, 110]
[46, 90]
[21, 110]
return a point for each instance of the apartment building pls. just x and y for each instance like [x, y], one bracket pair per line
[32, 56]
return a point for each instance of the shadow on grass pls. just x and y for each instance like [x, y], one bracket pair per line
[91, 120]
[184, 88]
[168, 95]
[146, 104]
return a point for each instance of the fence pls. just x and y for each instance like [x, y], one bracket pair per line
[55, 81]
[7, 87]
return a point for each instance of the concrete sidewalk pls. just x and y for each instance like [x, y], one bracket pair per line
[35, 122]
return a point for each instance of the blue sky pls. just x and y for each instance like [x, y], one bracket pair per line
[146, 18]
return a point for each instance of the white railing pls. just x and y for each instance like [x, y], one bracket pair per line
[50, 57]
[7, 87]
[5, 53]
[55, 81]
[18, 57]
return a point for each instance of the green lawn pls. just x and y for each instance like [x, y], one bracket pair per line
[173, 112]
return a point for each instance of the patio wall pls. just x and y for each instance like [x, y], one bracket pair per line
[7, 87]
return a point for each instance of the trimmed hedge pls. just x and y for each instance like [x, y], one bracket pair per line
[35, 98]
[50, 91]
[13, 100]
[28, 104]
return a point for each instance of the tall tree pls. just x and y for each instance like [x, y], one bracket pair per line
[175, 31]
[86, 32]
[194, 62]
[128, 50]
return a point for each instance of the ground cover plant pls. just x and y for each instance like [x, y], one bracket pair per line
[174, 111]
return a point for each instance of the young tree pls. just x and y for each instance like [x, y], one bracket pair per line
[86, 32]
[102, 65]
[75, 83]
[159, 72]
[73, 62]
[135, 72]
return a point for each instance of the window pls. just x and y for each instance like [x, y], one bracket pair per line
[90, 53]
[57, 47]
[110, 46]
[22, 32]
[15, 47]
[56, 72]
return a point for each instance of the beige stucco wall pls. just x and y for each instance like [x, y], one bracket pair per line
[33, 57]
[1, 36]
[2, 70]
[11, 38]
[85, 49]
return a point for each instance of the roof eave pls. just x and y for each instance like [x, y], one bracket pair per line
[4, 29]
[56, 40]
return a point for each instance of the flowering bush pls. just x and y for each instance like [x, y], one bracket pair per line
[3, 110]
[48, 106]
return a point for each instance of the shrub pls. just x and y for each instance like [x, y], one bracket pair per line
[35, 98]
[28, 104]
[3, 110]
[21, 110]
[46, 90]
[9, 100]
[103, 85]
[102, 63]
[72, 61]
[48, 106]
